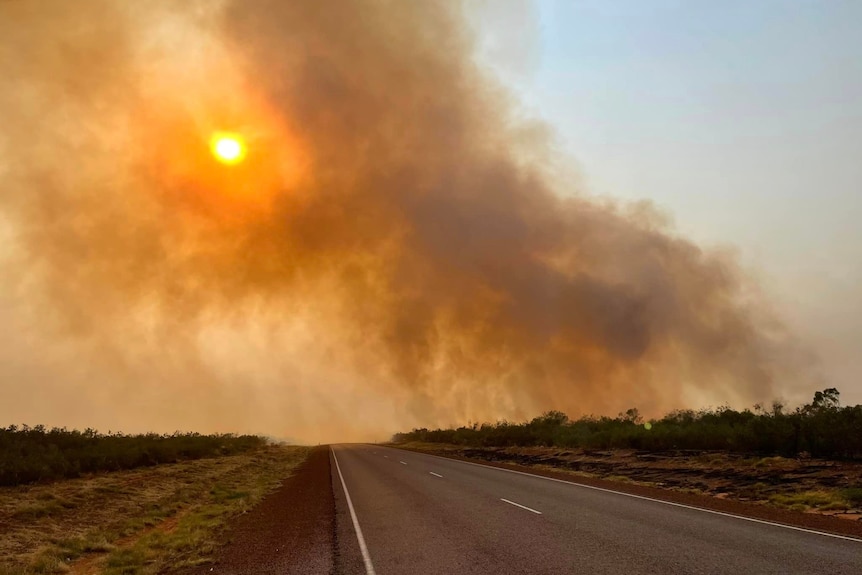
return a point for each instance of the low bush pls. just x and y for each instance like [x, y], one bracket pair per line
[853, 495]
[30, 454]
[820, 429]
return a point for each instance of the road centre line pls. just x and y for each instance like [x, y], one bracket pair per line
[366, 558]
[671, 503]
[402, 463]
[521, 506]
[435, 474]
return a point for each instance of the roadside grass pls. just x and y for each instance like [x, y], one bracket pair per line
[853, 496]
[771, 462]
[39, 509]
[620, 479]
[823, 500]
[148, 521]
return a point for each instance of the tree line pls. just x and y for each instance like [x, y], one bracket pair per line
[822, 428]
[30, 454]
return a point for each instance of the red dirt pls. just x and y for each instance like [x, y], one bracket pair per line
[291, 531]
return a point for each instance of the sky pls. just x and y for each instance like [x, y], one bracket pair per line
[740, 120]
[436, 222]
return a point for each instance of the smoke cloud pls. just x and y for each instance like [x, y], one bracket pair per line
[399, 247]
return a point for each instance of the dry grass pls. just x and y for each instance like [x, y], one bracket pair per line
[824, 500]
[138, 521]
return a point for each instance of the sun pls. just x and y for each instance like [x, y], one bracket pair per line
[227, 148]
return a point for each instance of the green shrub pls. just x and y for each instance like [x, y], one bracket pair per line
[31, 454]
[852, 495]
[822, 429]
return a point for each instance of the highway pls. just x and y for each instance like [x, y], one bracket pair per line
[420, 514]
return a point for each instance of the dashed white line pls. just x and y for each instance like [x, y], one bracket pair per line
[402, 463]
[521, 506]
[366, 558]
[435, 474]
[663, 502]
[386, 456]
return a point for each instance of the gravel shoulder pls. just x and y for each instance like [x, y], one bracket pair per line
[291, 531]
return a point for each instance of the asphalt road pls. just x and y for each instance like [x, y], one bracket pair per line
[419, 514]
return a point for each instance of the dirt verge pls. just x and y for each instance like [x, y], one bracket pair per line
[291, 531]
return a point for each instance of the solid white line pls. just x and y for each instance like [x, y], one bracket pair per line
[435, 474]
[366, 558]
[521, 506]
[722, 513]
[402, 463]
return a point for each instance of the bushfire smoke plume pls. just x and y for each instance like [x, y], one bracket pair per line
[398, 248]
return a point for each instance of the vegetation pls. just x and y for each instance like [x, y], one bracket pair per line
[149, 520]
[820, 429]
[852, 495]
[30, 454]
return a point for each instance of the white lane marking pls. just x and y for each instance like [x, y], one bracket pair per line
[366, 558]
[402, 463]
[435, 474]
[722, 513]
[386, 456]
[521, 506]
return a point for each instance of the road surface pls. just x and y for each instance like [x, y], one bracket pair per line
[420, 514]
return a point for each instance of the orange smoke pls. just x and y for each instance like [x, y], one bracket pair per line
[391, 251]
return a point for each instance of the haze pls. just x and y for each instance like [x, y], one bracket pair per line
[403, 245]
[740, 120]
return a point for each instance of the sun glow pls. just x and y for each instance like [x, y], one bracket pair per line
[228, 148]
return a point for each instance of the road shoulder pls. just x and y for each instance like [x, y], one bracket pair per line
[291, 531]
